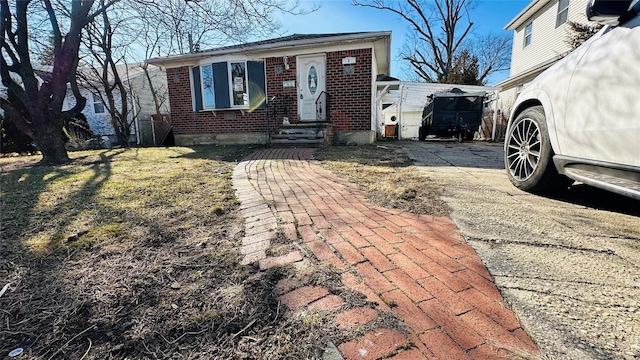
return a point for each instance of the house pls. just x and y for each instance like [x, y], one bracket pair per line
[147, 95]
[540, 33]
[265, 91]
[400, 105]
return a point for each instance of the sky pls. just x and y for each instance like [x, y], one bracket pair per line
[336, 16]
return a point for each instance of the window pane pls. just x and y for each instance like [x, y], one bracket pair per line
[562, 5]
[98, 107]
[563, 12]
[562, 18]
[527, 34]
[207, 87]
[239, 84]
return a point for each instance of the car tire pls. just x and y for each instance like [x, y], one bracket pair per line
[469, 136]
[528, 155]
[422, 134]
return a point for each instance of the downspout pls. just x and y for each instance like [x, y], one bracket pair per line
[135, 118]
[495, 116]
[400, 101]
[153, 130]
[379, 116]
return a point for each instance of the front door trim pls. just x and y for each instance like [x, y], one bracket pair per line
[311, 80]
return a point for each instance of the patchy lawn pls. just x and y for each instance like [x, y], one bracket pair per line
[387, 175]
[134, 254]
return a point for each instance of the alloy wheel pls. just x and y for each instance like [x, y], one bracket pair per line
[523, 149]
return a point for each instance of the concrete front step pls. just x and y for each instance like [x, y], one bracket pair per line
[309, 134]
[297, 142]
[297, 136]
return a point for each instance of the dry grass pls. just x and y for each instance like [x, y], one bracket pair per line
[388, 176]
[133, 253]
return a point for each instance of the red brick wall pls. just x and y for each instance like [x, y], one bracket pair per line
[186, 121]
[350, 93]
[286, 101]
[350, 98]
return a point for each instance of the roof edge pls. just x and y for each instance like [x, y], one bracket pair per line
[534, 70]
[374, 35]
[526, 14]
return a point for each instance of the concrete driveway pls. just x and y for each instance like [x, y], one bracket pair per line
[569, 267]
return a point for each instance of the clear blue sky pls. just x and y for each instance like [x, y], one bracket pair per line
[336, 16]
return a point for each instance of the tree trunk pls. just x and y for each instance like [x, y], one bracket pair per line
[49, 139]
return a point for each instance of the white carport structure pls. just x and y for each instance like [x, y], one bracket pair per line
[400, 103]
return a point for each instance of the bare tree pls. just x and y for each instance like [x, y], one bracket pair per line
[169, 24]
[36, 106]
[106, 37]
[442, 30]
[493, 52]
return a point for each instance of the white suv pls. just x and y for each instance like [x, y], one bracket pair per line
[580, 119]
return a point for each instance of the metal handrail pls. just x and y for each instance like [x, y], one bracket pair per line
[272, 112]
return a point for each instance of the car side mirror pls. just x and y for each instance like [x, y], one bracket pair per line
[609, 12]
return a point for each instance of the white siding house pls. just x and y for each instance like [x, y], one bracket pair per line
[141, 104]
[540, 33]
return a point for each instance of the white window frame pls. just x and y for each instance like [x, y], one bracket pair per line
[563, 13]
[97, 100]
[528, 30]
[246, 99]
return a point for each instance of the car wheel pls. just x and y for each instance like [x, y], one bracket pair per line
[528, 154]
[422, 134]
[469, 136]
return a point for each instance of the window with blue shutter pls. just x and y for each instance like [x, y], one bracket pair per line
[257, 88]
[221, 81]
[229, 85]
[197, 88]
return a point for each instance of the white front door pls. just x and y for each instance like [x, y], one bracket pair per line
[311, 83]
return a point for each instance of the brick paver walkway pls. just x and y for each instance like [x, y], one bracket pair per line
[415, 266]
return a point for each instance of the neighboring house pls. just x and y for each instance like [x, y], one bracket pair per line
[400, 104]
[540, 33]
[224, 95]
[140, 97]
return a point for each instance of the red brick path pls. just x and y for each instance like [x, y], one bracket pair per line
[415, 266]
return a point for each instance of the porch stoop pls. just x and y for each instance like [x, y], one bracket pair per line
[307, 134]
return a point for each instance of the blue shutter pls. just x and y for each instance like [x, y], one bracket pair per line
[197, 87]
[221, 85]
[257, 89]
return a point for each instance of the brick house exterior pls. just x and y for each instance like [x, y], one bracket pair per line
[221, 96]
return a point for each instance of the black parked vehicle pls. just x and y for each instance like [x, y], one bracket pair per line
[456, 113]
